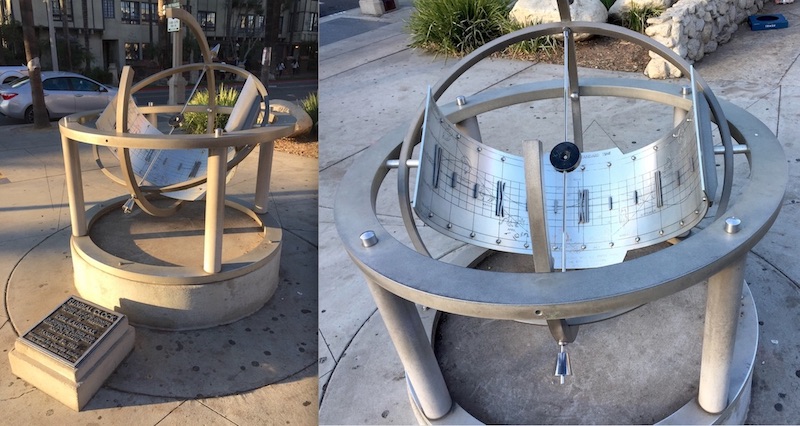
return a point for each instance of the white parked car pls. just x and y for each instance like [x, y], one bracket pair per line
[64, 93]
[9, 74]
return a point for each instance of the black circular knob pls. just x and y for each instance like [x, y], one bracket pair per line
[176, 120]
[565, 157]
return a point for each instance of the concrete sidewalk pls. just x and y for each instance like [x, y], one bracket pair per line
[371, 83]
[258, 370]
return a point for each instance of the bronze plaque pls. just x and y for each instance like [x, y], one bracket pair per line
[72, 329]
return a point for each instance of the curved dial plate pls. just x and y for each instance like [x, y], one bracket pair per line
[615, 202]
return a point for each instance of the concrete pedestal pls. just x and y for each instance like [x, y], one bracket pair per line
[150, 269]
[55, 362]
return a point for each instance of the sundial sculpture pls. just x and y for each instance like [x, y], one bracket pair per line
[162, 172]
[577, 212]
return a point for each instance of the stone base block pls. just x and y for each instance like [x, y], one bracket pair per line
[55, 355]
[371, 7]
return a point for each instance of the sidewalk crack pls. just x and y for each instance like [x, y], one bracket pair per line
[344, 351]
[775, 267]
[18, 396]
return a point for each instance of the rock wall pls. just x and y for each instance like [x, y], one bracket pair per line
[692, 28]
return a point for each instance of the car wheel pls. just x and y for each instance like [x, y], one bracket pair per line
[29, 114]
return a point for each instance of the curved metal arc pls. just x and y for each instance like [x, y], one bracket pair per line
[241, 153]
[114, 178]
[413, 135]
[138, 196]
[459, 290]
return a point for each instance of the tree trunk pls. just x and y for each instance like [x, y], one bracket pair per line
[86, 34]
[40, 118]
[65, 24]
[272, 30]
[229, 24]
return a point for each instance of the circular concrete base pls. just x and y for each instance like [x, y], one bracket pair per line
[150, 269]
[641, 367]
[273, 345]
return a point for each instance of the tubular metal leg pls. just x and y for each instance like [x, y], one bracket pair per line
[415, 351]
[215, 210]
[678, 116]
[77, 206]
[265, 153]
[722, 317]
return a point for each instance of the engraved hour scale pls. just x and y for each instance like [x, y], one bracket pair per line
[577, 212]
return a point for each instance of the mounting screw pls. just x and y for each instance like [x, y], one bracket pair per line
[733, 225]
[686, 90]
[461, 100]
[368, 239]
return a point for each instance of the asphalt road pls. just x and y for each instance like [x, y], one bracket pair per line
[290, 90]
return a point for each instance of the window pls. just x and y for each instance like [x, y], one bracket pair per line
[83, 85]
[246, 21]
[56, 7]
[132, 51]
[207, 20]
[108, 9]
[249, 24]
[130, 12]
[312, 21]
[60, 83]
[149, 12]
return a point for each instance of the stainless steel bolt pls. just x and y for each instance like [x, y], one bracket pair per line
[733, 225]
[368, 239]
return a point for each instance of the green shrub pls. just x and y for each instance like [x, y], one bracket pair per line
[311, 106]
[196, 122]
[635, 18]
[457, 27]
[545, 44]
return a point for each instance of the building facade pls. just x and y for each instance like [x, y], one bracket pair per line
[128, 33]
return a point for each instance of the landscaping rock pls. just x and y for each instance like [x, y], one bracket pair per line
[621, 6]
[304, 121]
[532, 12]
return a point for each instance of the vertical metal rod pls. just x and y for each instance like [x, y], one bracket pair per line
[265, 155]
[678, 116]
[77, 205]
[215, 210]
[534, 190]
[564, 226]
[722, 317]
[408, 335]
[572, 87]
[471, 128]
[152, 117]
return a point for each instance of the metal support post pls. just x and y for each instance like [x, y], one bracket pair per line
[215, 210]
[678, 116]
[266, 151]
[77, 206]
[722, 317]
[415, 351]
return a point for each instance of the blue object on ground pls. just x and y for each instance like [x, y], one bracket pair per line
[767, 22]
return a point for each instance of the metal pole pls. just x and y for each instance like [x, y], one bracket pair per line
[52, 31]
[265, 154]
[722, 318]
[415, 351]
[215, 209]
[72, 169]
